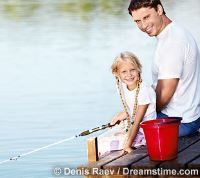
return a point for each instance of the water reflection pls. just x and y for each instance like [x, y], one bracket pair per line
[17, 10]
[20, 9]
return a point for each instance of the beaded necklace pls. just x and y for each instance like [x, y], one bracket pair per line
[124, 104]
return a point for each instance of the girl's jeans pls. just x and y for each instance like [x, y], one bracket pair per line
[184, 128]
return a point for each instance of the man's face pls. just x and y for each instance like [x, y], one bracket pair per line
[149, 20]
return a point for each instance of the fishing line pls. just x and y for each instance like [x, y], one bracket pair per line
[36, 150]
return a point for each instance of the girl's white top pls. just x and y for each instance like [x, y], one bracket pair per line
[115, 138]
[146, 96]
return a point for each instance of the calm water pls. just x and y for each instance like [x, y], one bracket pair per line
[55, 78]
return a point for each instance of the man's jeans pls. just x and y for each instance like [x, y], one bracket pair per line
[184, 128]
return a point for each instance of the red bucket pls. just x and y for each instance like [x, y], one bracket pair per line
[162, 138]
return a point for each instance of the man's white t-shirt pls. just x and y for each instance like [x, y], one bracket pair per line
[177, 56]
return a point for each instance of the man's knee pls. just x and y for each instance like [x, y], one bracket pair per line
[189, 128]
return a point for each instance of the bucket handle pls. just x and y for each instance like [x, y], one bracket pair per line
[177, 119]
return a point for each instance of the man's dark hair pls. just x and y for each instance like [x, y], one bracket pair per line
[137, 4]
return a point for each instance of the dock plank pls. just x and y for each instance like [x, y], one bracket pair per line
[184, 157]
[185, 142]
[105, 160]
[117, 161]
[195, 164]
[125, 161]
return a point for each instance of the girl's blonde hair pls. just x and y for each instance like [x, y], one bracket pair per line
[128, 57]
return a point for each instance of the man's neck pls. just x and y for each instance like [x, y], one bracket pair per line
[165, 21]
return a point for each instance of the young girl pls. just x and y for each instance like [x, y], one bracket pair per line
[139, 102]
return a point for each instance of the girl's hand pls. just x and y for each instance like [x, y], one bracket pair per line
[128, 149]
[118, 118]
[115, 120]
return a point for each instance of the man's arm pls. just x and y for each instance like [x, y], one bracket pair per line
[165, 89]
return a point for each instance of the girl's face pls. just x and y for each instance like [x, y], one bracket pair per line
[128, 73]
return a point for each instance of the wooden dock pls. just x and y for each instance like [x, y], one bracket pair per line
[137, 164]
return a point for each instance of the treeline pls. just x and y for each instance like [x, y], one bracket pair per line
[24, 8]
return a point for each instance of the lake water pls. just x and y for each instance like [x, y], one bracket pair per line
[55, 77]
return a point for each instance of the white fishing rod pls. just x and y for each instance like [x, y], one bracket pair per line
[84, 133]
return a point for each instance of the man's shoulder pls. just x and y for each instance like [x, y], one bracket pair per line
[176, 40]
[179, 34]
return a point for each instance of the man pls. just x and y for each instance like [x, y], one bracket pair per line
[176, 66]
